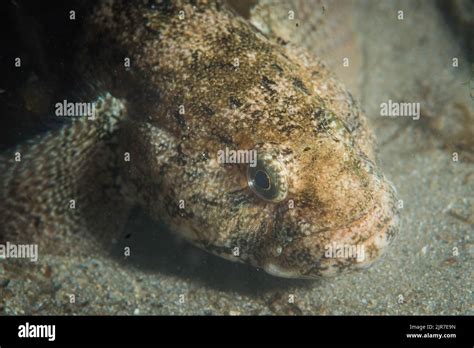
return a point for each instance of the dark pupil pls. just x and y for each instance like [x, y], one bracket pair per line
[262, 180]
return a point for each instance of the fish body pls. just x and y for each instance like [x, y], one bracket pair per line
[191, 79]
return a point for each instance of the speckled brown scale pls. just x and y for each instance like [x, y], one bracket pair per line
[71, 163]
[203, 79]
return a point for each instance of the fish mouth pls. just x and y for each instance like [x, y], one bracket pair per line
[360, 257]
[352, 247]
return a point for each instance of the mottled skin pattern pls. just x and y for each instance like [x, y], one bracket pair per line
[40, 179]
[239, 90]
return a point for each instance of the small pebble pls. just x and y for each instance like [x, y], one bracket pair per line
[424, 249]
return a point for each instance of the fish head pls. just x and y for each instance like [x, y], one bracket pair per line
[302, 205]
[331, 210]
[267, 159]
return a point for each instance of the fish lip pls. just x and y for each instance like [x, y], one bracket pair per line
[384, 227]
[272, 267]
[380, 224]
[277, 271]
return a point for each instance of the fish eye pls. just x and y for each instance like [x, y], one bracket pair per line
[262, 180]
[268, 180]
